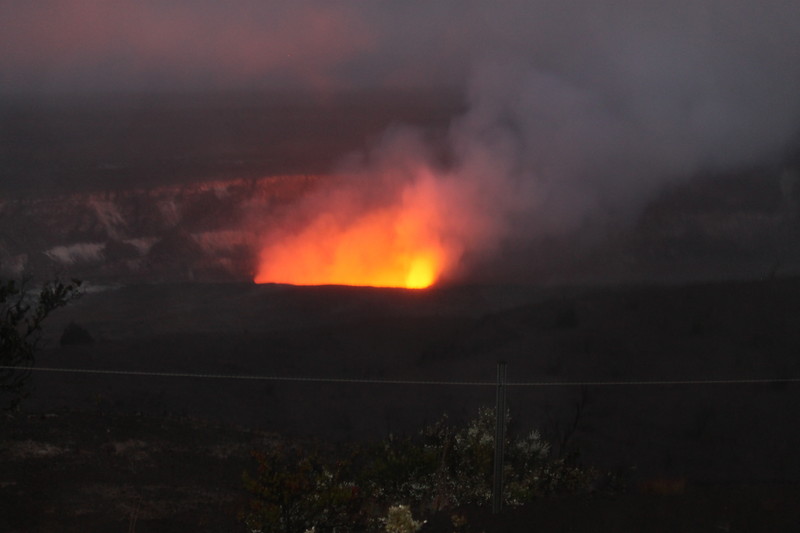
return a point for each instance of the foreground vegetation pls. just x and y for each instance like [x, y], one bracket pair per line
[297, 488]
[23, 310]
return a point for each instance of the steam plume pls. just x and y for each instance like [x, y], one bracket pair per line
[578, 113]
[574, 147]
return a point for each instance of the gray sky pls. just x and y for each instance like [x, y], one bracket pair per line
[326, 45]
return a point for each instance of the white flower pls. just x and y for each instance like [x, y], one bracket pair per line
[400, 520]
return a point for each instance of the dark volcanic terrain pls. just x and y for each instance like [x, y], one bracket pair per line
[167, 263]
[698, 437]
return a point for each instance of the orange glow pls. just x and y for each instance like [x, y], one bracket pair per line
[388, 246]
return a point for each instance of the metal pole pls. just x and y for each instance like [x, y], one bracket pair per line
[499, 438]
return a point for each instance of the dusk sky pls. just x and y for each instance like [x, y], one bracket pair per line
[326, 45]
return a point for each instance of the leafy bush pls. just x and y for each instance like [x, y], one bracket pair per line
[444, 467]
[296, 490]
[399, 469]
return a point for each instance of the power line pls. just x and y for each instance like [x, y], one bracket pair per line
[247, 377]
[373, 381]
[645, 382]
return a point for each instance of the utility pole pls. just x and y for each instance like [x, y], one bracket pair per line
[499, 437]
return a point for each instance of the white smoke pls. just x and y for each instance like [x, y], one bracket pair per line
[575, 144]
[579, 111]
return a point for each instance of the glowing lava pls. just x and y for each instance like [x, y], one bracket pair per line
[388, 246]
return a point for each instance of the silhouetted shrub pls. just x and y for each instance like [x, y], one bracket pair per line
[23, 310]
